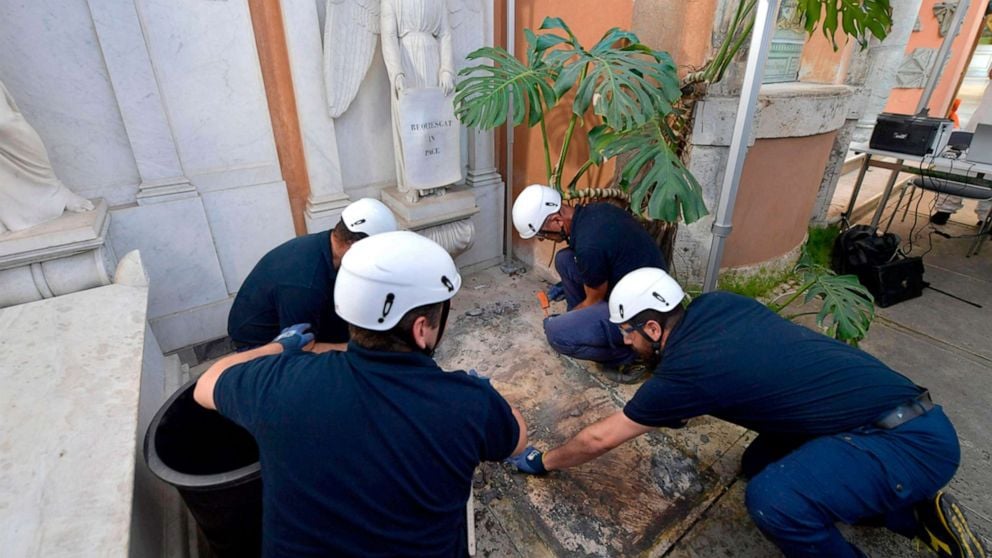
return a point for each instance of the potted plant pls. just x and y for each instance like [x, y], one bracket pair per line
[630, 100]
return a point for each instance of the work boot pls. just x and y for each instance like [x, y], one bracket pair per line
[944, 528]
[631, 373]
[940, 218]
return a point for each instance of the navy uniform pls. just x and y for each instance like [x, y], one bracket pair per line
[605, 244]
[365, 453]
[841, 436]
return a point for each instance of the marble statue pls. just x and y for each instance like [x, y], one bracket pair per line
[421, 41]
[30, 193]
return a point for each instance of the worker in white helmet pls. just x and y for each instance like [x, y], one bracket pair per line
[841, 436]
[604, 244]
[368, 452]
[294, 282]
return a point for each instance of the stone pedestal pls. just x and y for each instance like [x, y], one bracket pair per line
[445, 219]
[55, 258]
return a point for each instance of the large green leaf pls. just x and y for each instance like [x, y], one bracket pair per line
[483, 98]
[625, 82]
[664, 187]
[859, 19]
[848, 308]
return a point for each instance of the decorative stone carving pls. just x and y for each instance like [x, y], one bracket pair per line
[944, 12]
[915, 67]
[444, 219]
[62, 256]
[30, 193]
[456, 237]
[421, 40]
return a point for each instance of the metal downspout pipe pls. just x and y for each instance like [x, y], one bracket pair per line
[761, 38]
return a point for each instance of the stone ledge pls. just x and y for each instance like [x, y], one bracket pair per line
[785, 110]
[69, 234]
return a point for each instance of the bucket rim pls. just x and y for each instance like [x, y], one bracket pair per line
[187, 481]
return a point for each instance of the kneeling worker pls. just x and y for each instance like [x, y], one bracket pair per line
[368, 452]
[294, 282]
[841, 436]
[604, 244]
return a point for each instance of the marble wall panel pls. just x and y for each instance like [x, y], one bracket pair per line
[178, 251]
[246, 223]
[488, 242]
[189, 327]
[364, 133]
[51, 62]
[207, 66]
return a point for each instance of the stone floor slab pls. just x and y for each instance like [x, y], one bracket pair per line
[635, 500]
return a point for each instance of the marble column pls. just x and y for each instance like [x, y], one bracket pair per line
[121, 36]
[303, 41]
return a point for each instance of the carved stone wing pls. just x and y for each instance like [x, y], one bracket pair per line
[351, 30]
[465, 17]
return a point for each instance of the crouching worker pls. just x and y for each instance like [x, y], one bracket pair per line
[368, 452]
[841, 436]
[604, 244]
[294, 282]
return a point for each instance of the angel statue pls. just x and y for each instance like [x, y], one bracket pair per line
[30, 193]
[421, 42]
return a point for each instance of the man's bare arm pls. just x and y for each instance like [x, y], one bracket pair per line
[593, 295]
[593, 441]
[203, 393]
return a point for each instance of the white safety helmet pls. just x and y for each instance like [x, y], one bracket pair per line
[643, 289]
[368, 216]
[532, 207]
[383, 277]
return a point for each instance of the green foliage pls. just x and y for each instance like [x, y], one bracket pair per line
[859, 19]
[633, 89]
[820, 244]
[847, 308]
[757, 286]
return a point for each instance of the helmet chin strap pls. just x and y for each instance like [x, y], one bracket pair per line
[655, 345]
[429, 351]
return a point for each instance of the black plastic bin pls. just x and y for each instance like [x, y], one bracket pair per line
[214, 465]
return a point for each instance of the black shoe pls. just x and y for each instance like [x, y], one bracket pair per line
[633, 373]
[940, 218]
[945, 529]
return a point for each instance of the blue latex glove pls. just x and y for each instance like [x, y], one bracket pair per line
[530, 461]
[475, 374]
[556, 292]
[294, 337]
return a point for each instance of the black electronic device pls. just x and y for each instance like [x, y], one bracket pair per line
[912, 135]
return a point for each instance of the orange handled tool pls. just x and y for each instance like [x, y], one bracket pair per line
[542, 297]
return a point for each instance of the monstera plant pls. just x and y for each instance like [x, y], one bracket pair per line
[628, 97]
[630, 101]
[623, 90]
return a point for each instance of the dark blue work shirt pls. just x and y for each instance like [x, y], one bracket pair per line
[609, 243]
[365, 453]
[292, 284]
[734, 359]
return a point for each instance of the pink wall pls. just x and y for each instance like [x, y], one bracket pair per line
[904, 101]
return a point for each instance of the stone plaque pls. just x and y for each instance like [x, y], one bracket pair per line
[429, 132]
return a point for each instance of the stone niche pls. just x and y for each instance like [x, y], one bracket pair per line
[348, 144]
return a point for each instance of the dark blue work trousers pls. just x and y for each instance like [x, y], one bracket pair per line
[586, 333]
[867, 475]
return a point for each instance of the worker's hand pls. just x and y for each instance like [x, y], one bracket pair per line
[556, 292]
[294, 337]
[530, 461]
